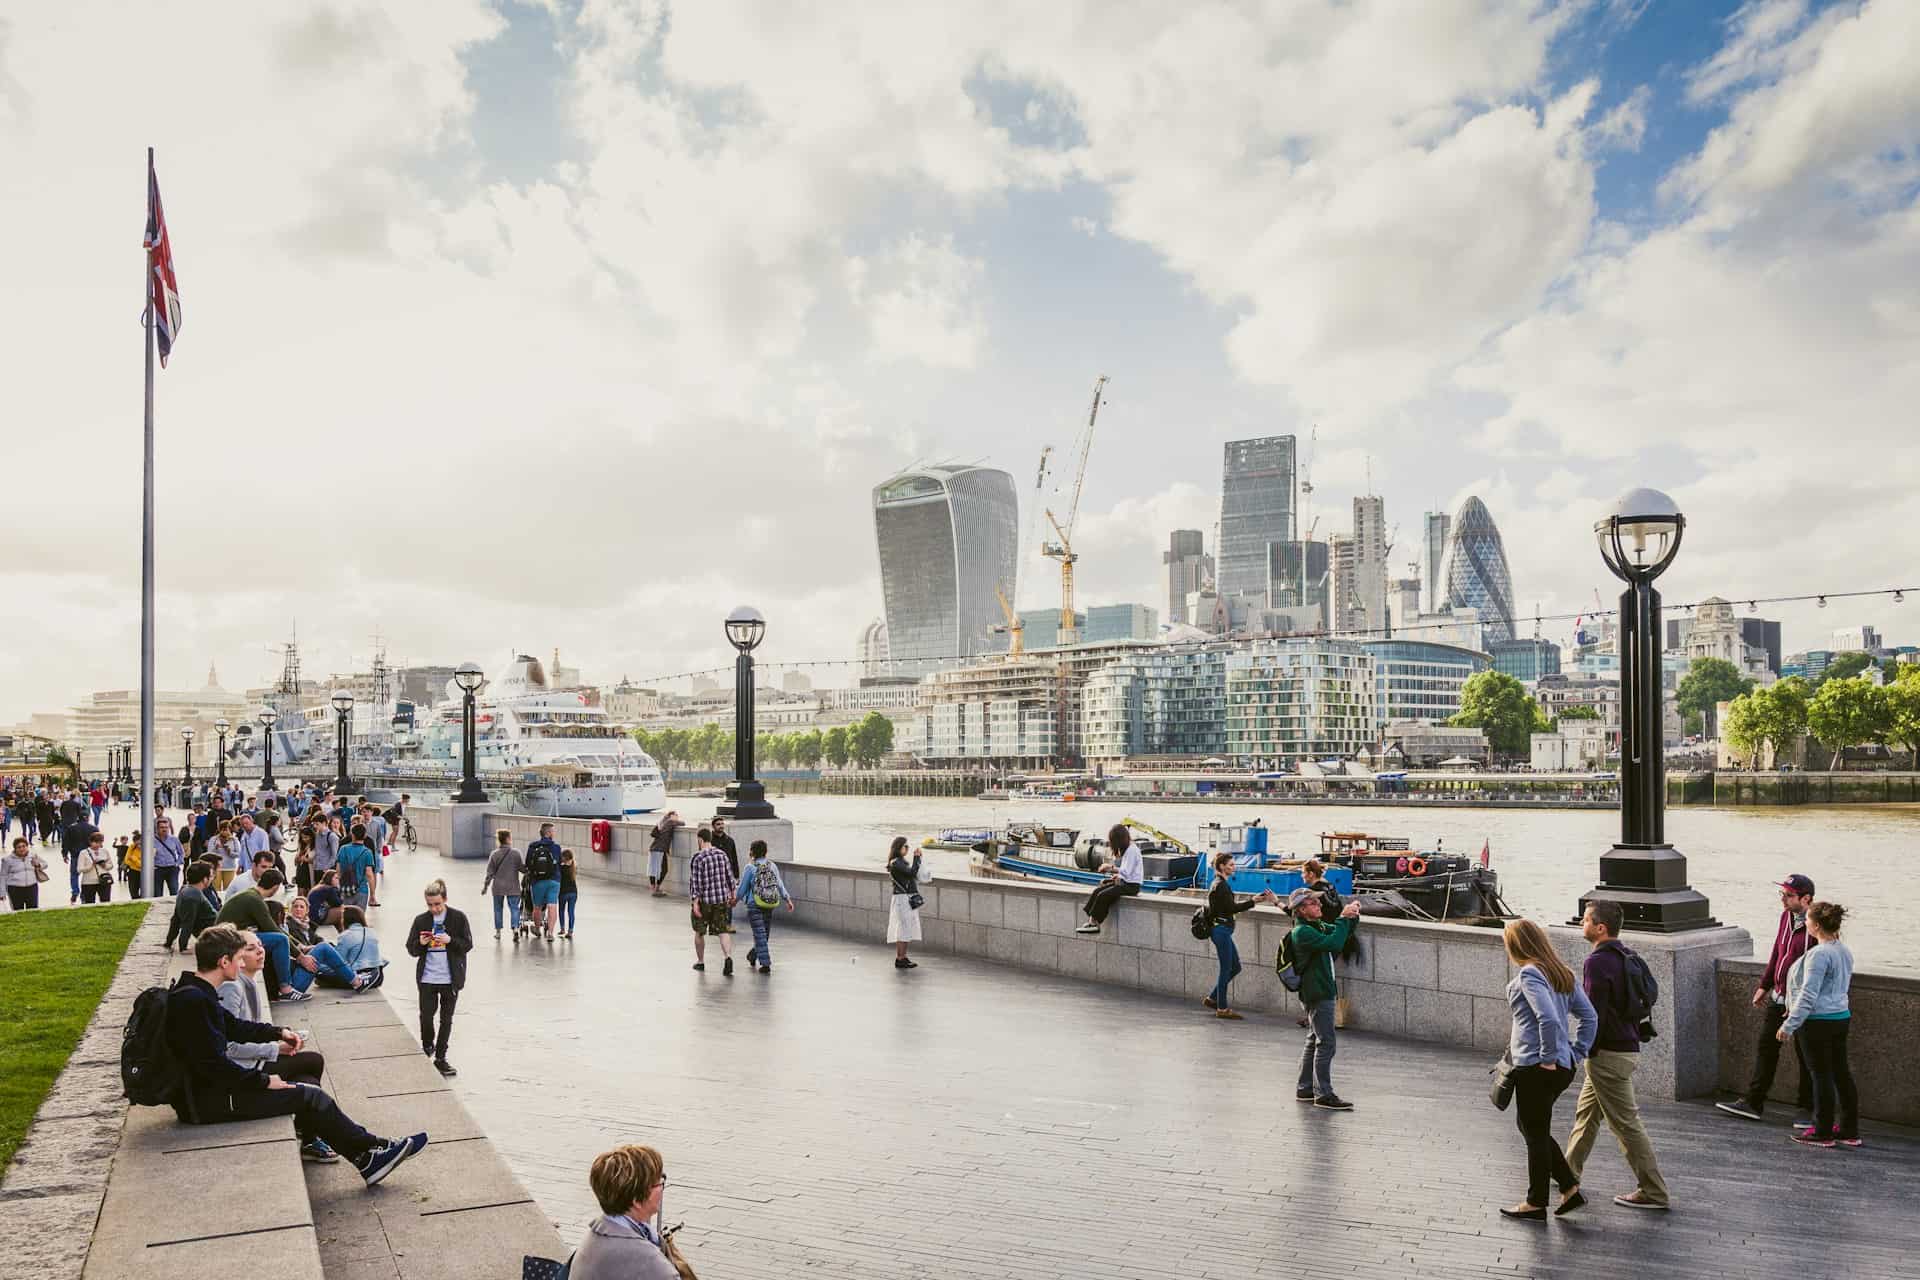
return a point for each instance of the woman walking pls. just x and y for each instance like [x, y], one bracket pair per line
[569, 892]
[22, 871]
[903, 921]
[1222, 907]
[1544, 1051]
[303, 859]
[96, 868]
[1819, 1012]
[504, 868]
[763, 889]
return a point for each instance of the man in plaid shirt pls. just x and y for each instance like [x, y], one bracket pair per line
[711, 889]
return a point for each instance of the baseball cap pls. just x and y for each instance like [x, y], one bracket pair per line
[1797, 884]
[1299, 896]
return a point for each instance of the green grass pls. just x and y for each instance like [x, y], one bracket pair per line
[54, 967]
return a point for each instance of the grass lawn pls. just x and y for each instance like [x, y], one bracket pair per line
[54, 967]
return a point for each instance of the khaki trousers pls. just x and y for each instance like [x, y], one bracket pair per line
[1608, 1093]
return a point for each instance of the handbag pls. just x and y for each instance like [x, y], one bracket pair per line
[40, 871]
[1500, 1093]
[1201, 926]
[915, 901]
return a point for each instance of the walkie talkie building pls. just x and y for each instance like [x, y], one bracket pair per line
[1477, 573]
[948, 535]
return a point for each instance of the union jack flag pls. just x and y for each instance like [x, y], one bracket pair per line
[163, 291]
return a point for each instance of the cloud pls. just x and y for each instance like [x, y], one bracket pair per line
[919, 300]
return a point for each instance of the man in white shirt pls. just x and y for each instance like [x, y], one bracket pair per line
[253, 840]
[249, 878]
[1125, 871]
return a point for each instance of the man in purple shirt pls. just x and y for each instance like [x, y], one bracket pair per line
[1608, 1091]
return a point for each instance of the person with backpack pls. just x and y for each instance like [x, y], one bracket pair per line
[1623, 993]
[175, 1051]
[543, 881]
[1307, 951]
[569, 892]
[1222, 907]
[762, 889]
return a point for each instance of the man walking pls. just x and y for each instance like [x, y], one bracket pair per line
[1608, 1091]
[1311, 946]
[543, 881]
[356, 869]
[711, 893]
[1790, 942]
[440, 939]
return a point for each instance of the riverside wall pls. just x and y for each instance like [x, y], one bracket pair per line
[1845, 786]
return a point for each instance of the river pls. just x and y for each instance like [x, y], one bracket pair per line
[1855, 854]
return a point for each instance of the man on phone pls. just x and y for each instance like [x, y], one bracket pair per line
[440, 939]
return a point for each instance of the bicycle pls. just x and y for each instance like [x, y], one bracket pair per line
[407, 836]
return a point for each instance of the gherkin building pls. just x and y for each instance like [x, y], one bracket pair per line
[1477, 573]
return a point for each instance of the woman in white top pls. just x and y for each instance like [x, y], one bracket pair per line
[97, 867]
[21, 871]
[903, 919]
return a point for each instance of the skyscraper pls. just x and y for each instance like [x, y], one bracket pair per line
[1477, 573]
[1433, 556]
[1290, 584]
[1256, 507]
[1370, 564]
[947, 536]
[1188, 567]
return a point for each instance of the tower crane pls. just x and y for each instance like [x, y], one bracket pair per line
[1015, 629]
[1063, 549]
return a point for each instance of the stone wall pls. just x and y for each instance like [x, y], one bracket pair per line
[1886, 1015]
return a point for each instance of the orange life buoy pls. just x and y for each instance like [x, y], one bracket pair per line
[1416, 866]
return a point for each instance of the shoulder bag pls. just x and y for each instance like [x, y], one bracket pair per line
[1500, 1092]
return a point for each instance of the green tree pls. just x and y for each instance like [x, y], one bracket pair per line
[704, 748]
[1762, 723]
[1499, 704]
[836, 746]
[1708, 682]
[871, 739]
[1848, 713]
[1903, 710]
[1575, 713]
[808, 748]
[1846, 667]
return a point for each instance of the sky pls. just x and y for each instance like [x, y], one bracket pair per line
[575, 323]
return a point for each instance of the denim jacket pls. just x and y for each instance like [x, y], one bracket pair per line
[1540, 1032]
[1817, 985]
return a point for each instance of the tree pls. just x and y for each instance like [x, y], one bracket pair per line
[1846, 667]
[1575, 713]
[1903, 710]
[871, 739]
[836, 746]
[1499, 704]
[808, 748]
[1764, 721]
[1848, 713]
[1708, 682]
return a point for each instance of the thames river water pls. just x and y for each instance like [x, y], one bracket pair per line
[1861, 856]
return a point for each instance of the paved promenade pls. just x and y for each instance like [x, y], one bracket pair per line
[962, 1120]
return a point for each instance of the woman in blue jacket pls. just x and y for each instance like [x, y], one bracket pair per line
[1818, 1011]
[1544, 1051]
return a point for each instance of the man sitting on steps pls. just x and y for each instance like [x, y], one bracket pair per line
[217, 1090]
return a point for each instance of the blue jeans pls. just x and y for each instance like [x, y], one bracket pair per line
[760, 919]
[512, 900]
[1316, 1058]
[280, 958]
[332, 965]
[568, 901]
[166, 880]
[1229, 963]
[73, 874]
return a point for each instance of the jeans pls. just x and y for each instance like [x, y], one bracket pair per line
[760, 920]
[1316, 1056]
[97, 810]
[303, 1067]
[1535, 1090]
[73, 876]
[1607, 1095]
[315, 1115]
[332, 965]
[1825, 1050]
[1101, 900]
[279, 960]
[568, 902]
[166, 880]
[440, 996]
[1229, 963]
[512, 900]
[1766, 1060]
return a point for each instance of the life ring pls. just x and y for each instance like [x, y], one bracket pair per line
[1416, 866]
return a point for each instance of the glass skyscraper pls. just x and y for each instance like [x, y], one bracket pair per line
[947, 535]
[1256, 508]
[1477, 574]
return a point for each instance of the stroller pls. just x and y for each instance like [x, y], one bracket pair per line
[526, 928]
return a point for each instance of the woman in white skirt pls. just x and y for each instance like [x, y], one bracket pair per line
[903, 922]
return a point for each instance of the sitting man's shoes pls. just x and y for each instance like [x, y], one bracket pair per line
[294, 997]
[318, 1152]
[1088, 927]
[1333, 1102]
[388, 1156]
[445, 1068]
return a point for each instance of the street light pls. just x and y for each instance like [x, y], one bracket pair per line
[126, 759]
[343, 709]
[745, 798]
[1643, 873]
[268, 717]
[469, 677]
[186, 736]
[220, 727]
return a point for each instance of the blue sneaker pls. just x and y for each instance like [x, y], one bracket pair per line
[383, 1160]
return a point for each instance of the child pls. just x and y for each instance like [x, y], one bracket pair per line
[569, 892]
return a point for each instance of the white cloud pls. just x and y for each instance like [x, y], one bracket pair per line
[919, 300]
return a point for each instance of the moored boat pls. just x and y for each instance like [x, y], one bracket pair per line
[1432, 885]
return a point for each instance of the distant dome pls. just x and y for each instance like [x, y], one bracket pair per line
[1477, 573]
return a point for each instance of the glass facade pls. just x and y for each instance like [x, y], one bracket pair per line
[1256, 507]
[1526, 660]
[1300, 700]
[947, 536]
[1477, 573]
[1167, 702]
[1420, 680]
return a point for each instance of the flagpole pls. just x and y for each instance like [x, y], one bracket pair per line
[146, 587]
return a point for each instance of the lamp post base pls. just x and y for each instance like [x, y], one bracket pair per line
[469, 793]
[744, 800]
[344, 786]
[1650, 884]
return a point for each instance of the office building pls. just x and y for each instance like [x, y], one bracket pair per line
[1436, 526]
[1403, 604]
[1299, 576]
[1040, 628]
[1525, 660]
[1420, 679]
[1289, 701]
[1256, 507]
[948, 537]
[1368, 613]
[1762, 634]
[1344, 611]
[1856, 640]
[1477, 573]
[1158, 702]
[113, 715]
[872, 650]
[1188, 568]
[1460, 627]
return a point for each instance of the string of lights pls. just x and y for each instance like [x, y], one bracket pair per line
[1753, 603]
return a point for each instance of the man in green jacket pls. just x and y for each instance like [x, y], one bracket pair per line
[248, 910]
[1313, 944]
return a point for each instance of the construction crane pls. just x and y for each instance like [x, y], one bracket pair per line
[1063, 549]
[1014, 628]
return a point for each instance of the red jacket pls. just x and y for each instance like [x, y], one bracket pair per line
[1790, 942]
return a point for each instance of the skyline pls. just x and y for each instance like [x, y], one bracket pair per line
[578, 325]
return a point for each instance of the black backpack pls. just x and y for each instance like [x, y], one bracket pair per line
[1643, 992]
[540, 863]
[149, 1073]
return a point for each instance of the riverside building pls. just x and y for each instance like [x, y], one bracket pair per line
[1256, 508]
[1294, 700]
[1421, 680]
[948, 537]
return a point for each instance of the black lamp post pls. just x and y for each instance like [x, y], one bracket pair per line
[126, 760]
[343, 710]
[220, 727]
[186, 736]
[745, 798]
[268, 717]
[469, 677]
[1643, 873]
